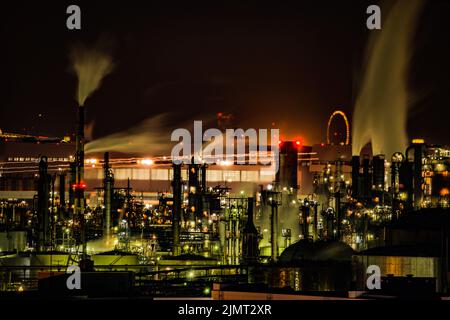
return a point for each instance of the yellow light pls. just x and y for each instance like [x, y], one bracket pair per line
[418, 141]
[147, 162]
[444, 192]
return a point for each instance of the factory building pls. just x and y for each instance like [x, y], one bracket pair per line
[163, 217]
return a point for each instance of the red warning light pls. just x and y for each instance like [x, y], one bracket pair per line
[80, 186]
[298, 142]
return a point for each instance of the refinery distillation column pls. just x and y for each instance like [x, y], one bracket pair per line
[176, 210]
[250, 237]
[43, 205]
[274, 228]
[107, 193]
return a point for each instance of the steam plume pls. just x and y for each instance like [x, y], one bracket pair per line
[381, 107]
[90, 65]
[150, 137]
[146, 137]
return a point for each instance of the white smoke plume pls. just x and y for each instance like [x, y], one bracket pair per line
[90, 65]
[381, 107]
[151, 136]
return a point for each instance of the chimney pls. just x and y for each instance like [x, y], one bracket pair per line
[107, 185]
[43, 205]
[355, 177]
[176, 209]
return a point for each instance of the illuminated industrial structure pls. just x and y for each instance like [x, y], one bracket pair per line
[154, 217]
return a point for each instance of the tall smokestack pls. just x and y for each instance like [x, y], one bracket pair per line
[194, 197]
[107, 184]
[203, 171]
[176, 210]
[418, 179]
[79, 162]
[72, 184]
[274, 230]
[62, 190]
[305, 216]
[80, 186]
[355, 177]
[43, 205]
[396, 160]
[367, 181]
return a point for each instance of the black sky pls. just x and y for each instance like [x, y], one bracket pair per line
[291, 63]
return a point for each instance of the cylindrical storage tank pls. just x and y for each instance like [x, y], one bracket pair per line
[13, 240]
[50, 259]
[319, 266]
[287, 173]
[115, 260]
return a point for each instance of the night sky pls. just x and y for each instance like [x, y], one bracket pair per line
[287, 65]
